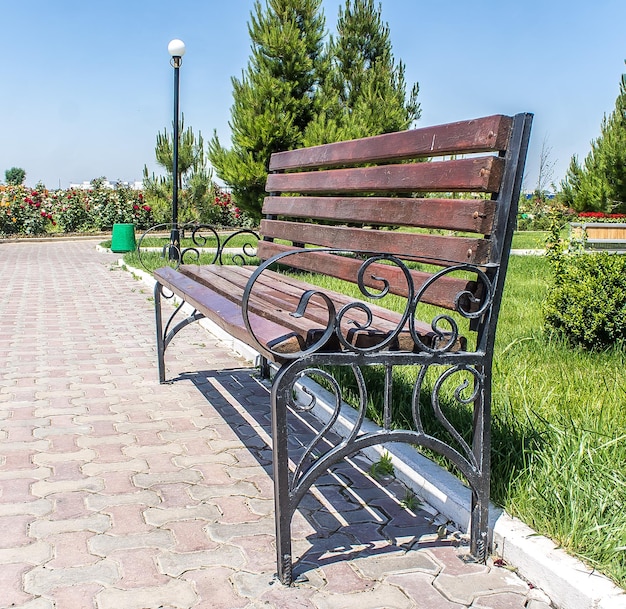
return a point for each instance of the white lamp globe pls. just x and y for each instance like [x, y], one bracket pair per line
[176, 48]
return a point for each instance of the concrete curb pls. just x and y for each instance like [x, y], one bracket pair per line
[568, 582]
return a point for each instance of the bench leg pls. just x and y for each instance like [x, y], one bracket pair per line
[159, 332]
[282, 501]
[166, 332]
[264, 367]
[479, 534]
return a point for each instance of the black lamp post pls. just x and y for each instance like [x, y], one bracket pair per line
[176, 49]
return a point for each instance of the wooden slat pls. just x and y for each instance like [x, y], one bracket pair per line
[479, 135]
[275, 296]
[415, 246]
[225, 313]
[442, 293]
[478, 174]
[471, 215]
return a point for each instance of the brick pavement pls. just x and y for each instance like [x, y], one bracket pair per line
[120, 493]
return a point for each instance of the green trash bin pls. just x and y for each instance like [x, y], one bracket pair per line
[123, 238]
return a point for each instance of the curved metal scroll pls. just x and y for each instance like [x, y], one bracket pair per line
[476, 309]
[315, 461]
[205, 238]
[466, 304]
[335, 317]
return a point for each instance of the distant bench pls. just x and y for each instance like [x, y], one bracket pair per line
[604, 236]
[364, 212]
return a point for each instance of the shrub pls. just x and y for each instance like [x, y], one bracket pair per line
[25, 210]
[588, 302]
[71, 212]
[99, 208]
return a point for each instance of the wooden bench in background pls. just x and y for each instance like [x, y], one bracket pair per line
[601, 236]
[392, 216]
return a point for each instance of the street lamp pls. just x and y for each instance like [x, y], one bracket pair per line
[176, 49]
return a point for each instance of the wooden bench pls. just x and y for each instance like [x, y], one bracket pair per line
[392, 217]
[601, 236]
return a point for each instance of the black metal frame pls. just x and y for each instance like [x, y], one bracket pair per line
[469, 370]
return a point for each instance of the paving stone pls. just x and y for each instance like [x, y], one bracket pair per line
[208, 492]
[11, 577]
[45, 488]
[465, 589]
[71, 550]
[39, 603]
[147, 480]
[134, 465]
[139, 568]
[253, 585]
[140, 451]
[379, 565]
[38, 507]
[383, 595]
[103, 545]
[35, 554]
[42, 581]
[227, 532]
[221, 596]
[160, 516]
[98, 523]
[90, 441]
[77, 596]
[419, 586]
[102, 502]
[34, 446]
[168, 466]
[506, 600]
[175, 564]
[176, 594]
[85, 454]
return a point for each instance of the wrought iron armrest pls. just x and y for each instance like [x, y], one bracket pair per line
[466, 304]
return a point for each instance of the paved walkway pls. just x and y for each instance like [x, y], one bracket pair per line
[120, 493]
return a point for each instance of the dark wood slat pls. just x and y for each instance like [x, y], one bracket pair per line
[442, 293]
[471, 215]
[416, 246]
[479, 174]
[275, 297]
[479, 135]
[225, 313]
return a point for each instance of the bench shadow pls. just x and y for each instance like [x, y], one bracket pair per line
[347, 514]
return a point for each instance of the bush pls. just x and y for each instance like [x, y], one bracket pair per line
[588, 302]
[25, 210]
[71, 211]
[99, 208]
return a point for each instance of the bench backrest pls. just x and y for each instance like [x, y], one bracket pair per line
[355, 195]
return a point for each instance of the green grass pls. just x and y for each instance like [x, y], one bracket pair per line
[559, 426]
[529, 240]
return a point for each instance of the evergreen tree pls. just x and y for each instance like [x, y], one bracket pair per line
[600, 183]
[273, 102]
[364, 90]
[195, 182]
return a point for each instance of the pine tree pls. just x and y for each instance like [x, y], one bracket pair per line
[195, 182]
[364, 90]
[273, 102]
[599, 184]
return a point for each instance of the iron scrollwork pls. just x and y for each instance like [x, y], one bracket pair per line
[205, 238]
[466, 303]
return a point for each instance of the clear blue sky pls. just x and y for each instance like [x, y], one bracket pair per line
[86, 86]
